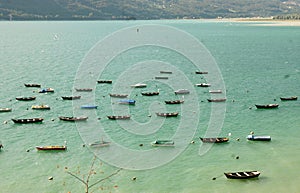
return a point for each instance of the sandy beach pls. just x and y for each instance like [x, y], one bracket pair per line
[265, 21]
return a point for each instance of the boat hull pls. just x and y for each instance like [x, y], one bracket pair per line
[25, 121]
[242, 175]
[214, 140]
[51, 148]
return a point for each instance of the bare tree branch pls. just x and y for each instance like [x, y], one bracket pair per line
[107, 177]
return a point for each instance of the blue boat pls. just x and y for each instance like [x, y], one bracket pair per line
[89, 106]
[127, 101]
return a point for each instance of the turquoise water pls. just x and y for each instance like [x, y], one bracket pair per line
[259, 64]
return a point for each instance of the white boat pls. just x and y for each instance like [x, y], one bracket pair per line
[182, 91]
[139, 85]
[215, 91]
[163, 143]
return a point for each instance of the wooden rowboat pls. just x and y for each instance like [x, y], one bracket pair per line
[214, 140]
[242, 175]
[51, 148]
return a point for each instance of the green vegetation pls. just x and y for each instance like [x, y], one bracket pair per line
[142, 9]
[287, 17]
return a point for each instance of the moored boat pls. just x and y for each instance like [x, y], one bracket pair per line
[3, 110]
[46, 90]
[203, 85]
[70, 97]
[127, 101]
[104, 81]
[201, 72]
[242, 175]
[165, 72]
[214, 139]
[89, 106]
[51, 148]
[40, 107]
[150, 93]
[1, 145]
[174, 102]
[217, 100]
[73, 118]
[161, 77]
[182, 91]
[32, 85]
[268, 106]
[215, 91]
[175, 114]
[31, 120]
[31, 98]
[293, 98]
[259, 138]
[163, 143]
[100, 144]
[118, 95]
[114, 117]
[84, 89]
[139, 85]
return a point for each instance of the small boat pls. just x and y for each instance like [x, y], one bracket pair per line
[161, 77]
[139, 85]
[127, 101]
[268, 106]
[217, 100]
[51, 148]
[293, 98]
[113, 117]
[175, 114]
[84, 89]
[163, 143]
[215, 91]
[201, 72]
[46, 90]
[89, 106]
[150, 93]
[258, 138]
[33, 85]
[242, 175]
[73, 118]
[70, 97]
[100, 144]
[1, 145]
[214, 139]
[26, 98]
[40, 107]
[31, 120]
[203, 85]
[165, 72]
[104, 81]
[118, 95]
[174, 102]
[3, 110]
[182, 91]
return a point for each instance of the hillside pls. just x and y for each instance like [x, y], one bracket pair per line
[142, 9]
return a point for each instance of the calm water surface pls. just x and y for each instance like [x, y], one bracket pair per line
[259, 64]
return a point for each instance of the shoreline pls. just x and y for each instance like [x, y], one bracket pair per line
[262, 21]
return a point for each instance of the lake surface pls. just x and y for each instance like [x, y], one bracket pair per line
[251, 64]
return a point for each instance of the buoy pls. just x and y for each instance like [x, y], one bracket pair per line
[134, 178]
[251, 132]
[237, 157]
[237, 139]
[141, 145]
[192, 142]
[214, 178]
